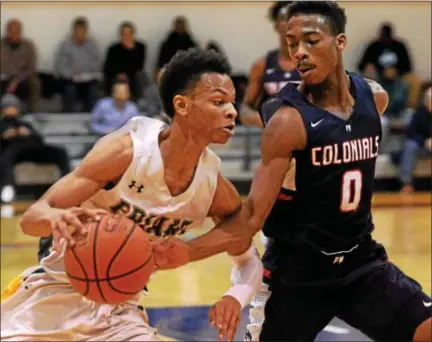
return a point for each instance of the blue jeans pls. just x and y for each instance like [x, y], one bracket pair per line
[409, 160]
[84, 92]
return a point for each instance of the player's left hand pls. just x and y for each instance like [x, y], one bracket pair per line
[170, 253]
[225, 316]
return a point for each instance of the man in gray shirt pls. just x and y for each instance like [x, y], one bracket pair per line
[18, 66]
[78, 65]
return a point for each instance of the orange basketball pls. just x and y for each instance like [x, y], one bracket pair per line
[112, 263]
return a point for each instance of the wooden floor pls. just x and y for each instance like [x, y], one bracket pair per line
[403, 225]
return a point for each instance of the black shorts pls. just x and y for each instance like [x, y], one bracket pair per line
[363, 289]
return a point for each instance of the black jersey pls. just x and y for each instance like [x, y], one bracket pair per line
[331, 207]
[275, 78]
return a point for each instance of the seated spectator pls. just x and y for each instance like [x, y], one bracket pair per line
[112, 113]
[418, 136]
[125, 61]
[396, 115]
[18, 66]
[20, 142]
[78, 65]
[389, 50]
[178, 39]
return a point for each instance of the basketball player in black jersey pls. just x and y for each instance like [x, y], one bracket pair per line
[328, 265]
[270, 73]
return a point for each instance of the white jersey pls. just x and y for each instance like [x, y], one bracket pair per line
[142, 194]
[43, 307]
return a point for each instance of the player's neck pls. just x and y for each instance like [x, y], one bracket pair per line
[333, 92]
[181, 149]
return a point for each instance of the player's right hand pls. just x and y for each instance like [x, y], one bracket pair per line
[66, 222]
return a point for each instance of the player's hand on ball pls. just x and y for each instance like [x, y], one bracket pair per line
[66, 222]
[170, 253]
[225, 316]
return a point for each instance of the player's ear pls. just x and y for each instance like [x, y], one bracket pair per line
[180, 105]
[341, 41]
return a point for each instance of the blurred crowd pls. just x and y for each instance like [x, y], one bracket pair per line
[116, 87]
[80, 74]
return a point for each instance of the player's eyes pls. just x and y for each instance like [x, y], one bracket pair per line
[312, 42]
[292, 45]
[218, 102]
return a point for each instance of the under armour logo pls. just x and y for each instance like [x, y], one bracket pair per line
[348, 128]
[338, 260]
[133, 185]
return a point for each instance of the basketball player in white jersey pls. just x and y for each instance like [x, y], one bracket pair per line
[163, 178]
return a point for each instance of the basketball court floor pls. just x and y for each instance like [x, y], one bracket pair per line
[179, 300]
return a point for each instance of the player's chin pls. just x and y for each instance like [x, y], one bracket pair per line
[221, 138]
[310, 77]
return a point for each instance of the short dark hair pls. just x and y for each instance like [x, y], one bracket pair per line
[329, 9]
[127, 24]
[184, 70]
[80, 21]
[277, 9]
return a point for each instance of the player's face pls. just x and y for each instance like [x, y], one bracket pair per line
[311, 44]
[210, 108]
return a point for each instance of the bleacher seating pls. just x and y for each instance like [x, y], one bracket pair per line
[240, 156]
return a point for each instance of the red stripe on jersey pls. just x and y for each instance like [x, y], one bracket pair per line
[284, 197]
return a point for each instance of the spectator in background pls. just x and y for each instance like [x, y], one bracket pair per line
[418, 136]
[18, 66]
[20, 142]
[396, 115]
[78, 65]
[125, 61]
[178, 39]
[111, 113]
[388, 50]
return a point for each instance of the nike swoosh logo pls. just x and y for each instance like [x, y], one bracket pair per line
[428, 305]
[314, 124]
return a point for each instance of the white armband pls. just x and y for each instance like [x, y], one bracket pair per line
[246, 276]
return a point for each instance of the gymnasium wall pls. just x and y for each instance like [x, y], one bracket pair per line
[240, 27]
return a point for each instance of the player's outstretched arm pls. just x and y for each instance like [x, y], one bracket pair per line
[247, 270]
[56, 209]
[284, 134]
